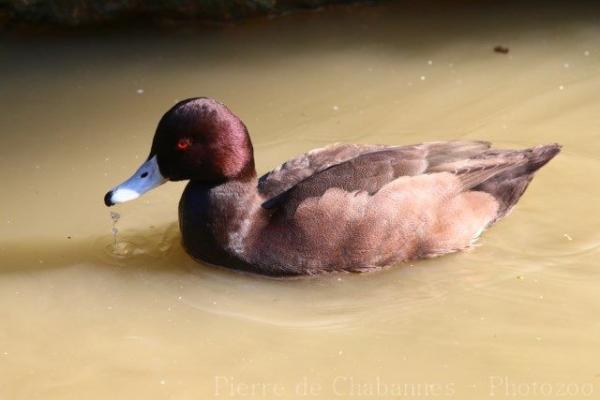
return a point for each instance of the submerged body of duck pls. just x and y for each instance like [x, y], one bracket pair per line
[344, 207]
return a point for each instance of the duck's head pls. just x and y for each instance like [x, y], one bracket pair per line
[197, 139]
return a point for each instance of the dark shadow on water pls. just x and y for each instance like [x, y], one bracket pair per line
[382, 28]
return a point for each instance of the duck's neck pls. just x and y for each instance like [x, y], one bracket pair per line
[217, 219]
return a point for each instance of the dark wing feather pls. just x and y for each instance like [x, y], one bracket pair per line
[504, 174]
[297, 169]
[479, 168]
[356, 168]
[304, 166]
[367, 172]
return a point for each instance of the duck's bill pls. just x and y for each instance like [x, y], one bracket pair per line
[146, 178]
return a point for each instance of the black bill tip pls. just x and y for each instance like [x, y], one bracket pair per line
[108, 199]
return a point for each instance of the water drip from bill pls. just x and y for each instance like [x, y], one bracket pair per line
[115, 218]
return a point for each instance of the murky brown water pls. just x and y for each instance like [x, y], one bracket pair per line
[515, 317]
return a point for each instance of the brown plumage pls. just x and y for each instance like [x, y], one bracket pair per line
[343, 207]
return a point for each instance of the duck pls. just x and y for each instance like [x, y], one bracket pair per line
[339, 208]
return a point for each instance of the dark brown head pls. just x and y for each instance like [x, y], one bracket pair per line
[197, 139]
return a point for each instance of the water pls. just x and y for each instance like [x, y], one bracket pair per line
[115, 218]
[142, 320]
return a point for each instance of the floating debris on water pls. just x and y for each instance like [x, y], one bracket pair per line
[501, 49]
[568, 236]
[140, 91]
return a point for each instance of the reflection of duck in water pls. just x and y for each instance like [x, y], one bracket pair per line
[343, 207]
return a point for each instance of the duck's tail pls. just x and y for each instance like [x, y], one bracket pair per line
[509, 185]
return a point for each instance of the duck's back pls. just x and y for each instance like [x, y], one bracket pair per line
[360, 207]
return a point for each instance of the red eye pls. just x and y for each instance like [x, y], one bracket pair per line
[183, 144]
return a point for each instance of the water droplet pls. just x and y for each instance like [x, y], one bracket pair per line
[115, 218]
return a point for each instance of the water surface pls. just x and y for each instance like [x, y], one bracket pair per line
[78, 114]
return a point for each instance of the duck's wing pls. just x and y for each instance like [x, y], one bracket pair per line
[365, 168]
[504, 174]
[305, 165]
